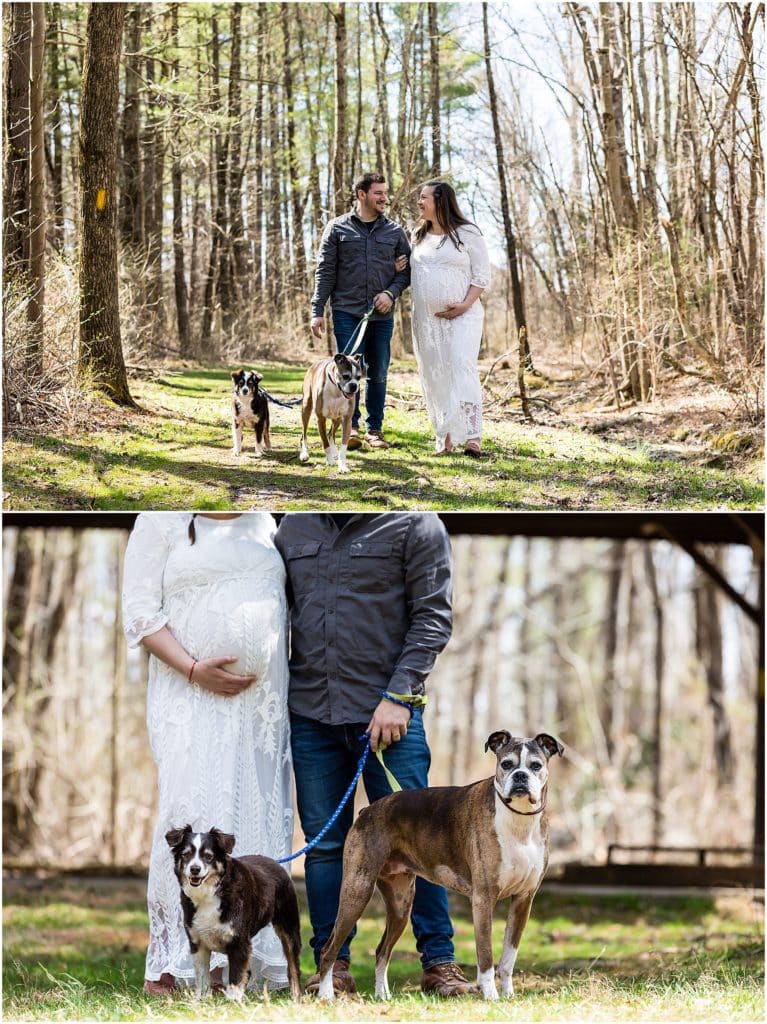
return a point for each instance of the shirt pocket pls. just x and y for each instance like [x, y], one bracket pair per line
[370, 568]
[385, 249]
[303, 565]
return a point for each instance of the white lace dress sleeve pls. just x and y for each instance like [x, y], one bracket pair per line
[145, 559]
[479, 259]
[221, 761]
[446, 350]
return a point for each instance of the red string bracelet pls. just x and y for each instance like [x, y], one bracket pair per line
[191, 670]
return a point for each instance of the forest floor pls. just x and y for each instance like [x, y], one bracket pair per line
[74, 950]
[687, 451]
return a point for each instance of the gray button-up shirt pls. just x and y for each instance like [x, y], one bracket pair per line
[355, 264]
[371, 609]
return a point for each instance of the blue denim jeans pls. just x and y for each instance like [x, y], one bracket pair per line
[375, 349]
[325, 759]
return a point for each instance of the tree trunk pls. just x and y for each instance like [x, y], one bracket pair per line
[179, 276]
[383, 135]
[511, 245]
[710, 652]
[658, 671]
[258, 227]
[236, 238]
[55, 147]
[17, 135]
[37, 230]
[612, 121]
[130, 184]
[294, 181]
[340, 201]
[101, 360]
[434, 92]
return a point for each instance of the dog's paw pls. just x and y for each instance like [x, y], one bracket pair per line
[343, 468]
[332, 456]
[234, 993]
[303, 455]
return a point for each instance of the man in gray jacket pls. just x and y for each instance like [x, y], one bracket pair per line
[355, 270]
[371, 609]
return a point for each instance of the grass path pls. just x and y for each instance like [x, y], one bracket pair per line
[74, 950]
[176, 453]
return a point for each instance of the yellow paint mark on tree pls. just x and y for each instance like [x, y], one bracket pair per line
[101, 199]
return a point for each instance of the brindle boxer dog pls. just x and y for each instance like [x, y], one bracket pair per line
[330, 388]
[488, 841]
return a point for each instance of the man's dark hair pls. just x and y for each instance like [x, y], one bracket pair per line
[366, 181]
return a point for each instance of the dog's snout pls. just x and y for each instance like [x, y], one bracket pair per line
[194, 869]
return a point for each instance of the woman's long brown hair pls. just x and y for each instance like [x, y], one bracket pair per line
[448, 213]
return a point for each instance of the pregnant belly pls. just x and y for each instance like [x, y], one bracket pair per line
[246, 629]
[436, 291]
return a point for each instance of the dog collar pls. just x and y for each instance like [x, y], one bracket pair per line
[507, 803]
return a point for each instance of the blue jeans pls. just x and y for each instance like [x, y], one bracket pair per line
[325, 759]
[374, 349]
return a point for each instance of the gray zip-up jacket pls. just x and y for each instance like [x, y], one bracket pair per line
[355, 264]
[371, 609]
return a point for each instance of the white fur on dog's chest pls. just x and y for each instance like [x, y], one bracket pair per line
[522, 852]
[334, 405]
[207, 928]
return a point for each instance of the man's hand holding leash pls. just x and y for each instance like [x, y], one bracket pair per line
[388, 724]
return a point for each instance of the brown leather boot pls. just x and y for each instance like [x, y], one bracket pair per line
[343, 982]
[446, 980]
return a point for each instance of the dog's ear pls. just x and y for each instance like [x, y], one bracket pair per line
[175, 835]
[549, 745]
[339, 358]
[496, 740]
[236, 374]
[224, 840]
[259, 376]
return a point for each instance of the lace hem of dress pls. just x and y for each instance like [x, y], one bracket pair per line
[472, 414]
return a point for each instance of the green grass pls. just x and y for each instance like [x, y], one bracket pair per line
[74, 950]
[176, 453]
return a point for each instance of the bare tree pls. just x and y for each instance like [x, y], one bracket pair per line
[101, 361]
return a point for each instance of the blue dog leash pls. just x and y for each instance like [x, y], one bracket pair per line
[278, 401]
[358, 333]
[347, 794]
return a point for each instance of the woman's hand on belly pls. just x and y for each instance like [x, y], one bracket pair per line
[455, 309]
[211, 674]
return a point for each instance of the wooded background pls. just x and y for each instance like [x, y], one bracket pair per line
[169, 168]
[624, 650]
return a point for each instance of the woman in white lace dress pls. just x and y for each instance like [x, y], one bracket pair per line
[205, 595]
[450, 270]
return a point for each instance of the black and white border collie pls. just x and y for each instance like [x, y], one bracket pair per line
[227, 900]
[250, 408]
